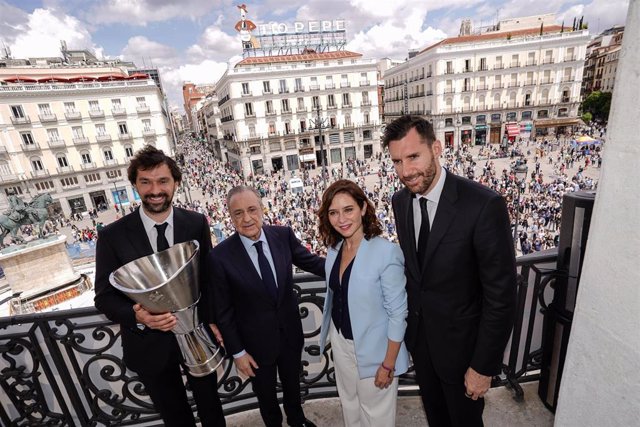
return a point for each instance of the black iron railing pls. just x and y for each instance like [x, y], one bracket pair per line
[65, 368]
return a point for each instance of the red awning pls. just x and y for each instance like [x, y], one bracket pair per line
[82, 79]
[20, 79]
[513, 129]
[111, 77]
[53, 79]
[138, 76]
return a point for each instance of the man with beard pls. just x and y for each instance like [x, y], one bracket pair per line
[461, 275]
[148, 345]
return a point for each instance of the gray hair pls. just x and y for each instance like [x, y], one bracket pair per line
[241, 189]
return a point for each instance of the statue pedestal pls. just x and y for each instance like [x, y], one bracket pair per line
[38, 266]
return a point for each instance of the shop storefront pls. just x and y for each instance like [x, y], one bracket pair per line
[448, 139]
[258, 167]
[495, 133]
[276, 163]
[512, 131]
[77, 205]
[307, 161]
[99, 200]
[465, 136]
[120, 196]
[481, 135]
[350, 153]
[525, 130]
[563, 126]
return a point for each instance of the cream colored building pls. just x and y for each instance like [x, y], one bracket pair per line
[269, 109]
[74, 139]
[494, 86]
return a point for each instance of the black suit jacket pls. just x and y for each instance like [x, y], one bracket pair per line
[147, 350]
[247, 316]
[466, 287]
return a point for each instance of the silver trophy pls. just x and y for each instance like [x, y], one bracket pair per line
[167, 281]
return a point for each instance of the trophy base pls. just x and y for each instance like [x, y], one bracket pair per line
[201, 356]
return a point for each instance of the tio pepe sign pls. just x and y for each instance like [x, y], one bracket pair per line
[310, 27]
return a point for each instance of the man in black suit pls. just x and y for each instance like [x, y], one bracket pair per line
[148, 345]
[256, 307]
[461, 275]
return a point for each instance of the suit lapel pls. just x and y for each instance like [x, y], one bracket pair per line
[277, 247]
[181, 227]
[444, 217]
[137, 235]
[245, 266]
[407, 234]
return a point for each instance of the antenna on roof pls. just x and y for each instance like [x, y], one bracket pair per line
[7, 51]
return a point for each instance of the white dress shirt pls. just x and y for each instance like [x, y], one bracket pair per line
[433, 197]
[152, 231]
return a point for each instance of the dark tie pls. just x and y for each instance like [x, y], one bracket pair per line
[423, 236]
[265, 271]
[161, 241]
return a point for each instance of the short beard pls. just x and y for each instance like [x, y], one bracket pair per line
[162, 208]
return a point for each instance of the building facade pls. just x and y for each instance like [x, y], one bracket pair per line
[601, 63]
[73, 138]
[281, 112]
[495, 86]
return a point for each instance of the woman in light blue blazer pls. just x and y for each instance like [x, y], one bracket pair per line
[365, 310]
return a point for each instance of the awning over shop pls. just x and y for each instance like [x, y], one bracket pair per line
[307, 157]
[546, 123]
[526, 127]
[513, 129]
[481, 127]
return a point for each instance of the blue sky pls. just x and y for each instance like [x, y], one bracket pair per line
[194, 39]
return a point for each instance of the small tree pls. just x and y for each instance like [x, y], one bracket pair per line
[598, 104]
[587, 117]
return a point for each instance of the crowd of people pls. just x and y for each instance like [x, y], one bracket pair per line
[534, 202]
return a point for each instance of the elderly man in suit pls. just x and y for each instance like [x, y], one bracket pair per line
[461, 275]
[148, 345]
[256, 307]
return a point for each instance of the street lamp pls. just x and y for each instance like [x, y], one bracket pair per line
[319, 123]
[520, 172]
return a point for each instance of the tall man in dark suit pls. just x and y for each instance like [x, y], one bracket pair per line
[461, 275]
[148, 345]
[256, 308]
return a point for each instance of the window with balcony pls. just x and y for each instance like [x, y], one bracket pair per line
[483, 64]
[122, 128]
[515, 60]
[514, 80]
[53, 135]
[298, 85]
[467, 65]
[146, 125]
[245, 89]
[272, 128]
[333, 121]
[331, 101]
[285, 106]
[248, 109]
[367, 119]
[252, 131]
[94, 106]
[301, 104]
[44, 109]
[266, 86]
[565, 95]
[17, 111]
[449, 68]
[287, 127]
[108, 154]
[85, 157]
[527, 99]
[303, 125]
[346, 100]
[467, 85]
[315, 102]
[498, 63]
[328, 82]
[116, 104]
[268, 107]
[128, 151]
[347, 120]
[62, 161]
[27, 139]
[314, 84]
[497, 82]
[365, 98]
[283, 86]
[36, 164]
[344, 80]
[531, 58]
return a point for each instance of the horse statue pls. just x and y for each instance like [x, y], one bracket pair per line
[34, 212]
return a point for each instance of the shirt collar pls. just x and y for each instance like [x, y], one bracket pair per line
[248, 243]
[148, 223]
[436, 191]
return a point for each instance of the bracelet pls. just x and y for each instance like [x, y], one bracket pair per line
[390, 370]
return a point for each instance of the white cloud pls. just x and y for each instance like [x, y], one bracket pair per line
[139, 48]
[207, 71]
[142, 12]
[40, 35]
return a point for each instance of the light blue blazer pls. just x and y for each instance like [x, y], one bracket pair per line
[377, 303]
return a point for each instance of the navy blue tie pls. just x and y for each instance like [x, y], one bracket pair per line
[265, 271]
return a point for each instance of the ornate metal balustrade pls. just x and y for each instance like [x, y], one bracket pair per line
[65, 368]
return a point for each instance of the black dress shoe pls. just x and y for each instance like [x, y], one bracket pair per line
[305, 423]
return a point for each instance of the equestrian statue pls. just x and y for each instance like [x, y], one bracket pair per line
[21, 213]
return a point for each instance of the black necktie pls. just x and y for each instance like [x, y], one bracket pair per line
[161, 241]
[423, 236]
[265, 271]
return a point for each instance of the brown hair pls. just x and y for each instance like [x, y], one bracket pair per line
[370, 223]
[148, 158]
[399, 128]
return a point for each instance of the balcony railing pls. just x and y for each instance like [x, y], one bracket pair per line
[20, 120]
[55, 143]
[364, 82]
[283, 90]
[143, 109]
[30, 147]
[118, 111]
[124, 136]
[249, 93]
[79, 140]
[111, 162]
[47, 118]
[547, 61]
[103, 137]
[40, 173]
[88, 166]
[298, 89]
[148, 132]
[73, 115]
[68, 364]
[367, 102]
[345, 84]
[64, 169]
[96, 113]
[314, 87]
